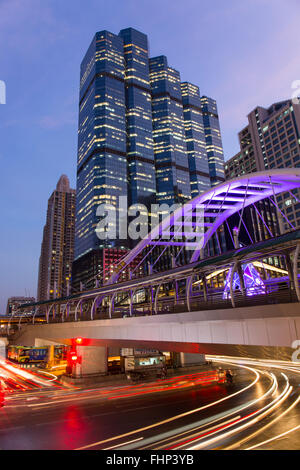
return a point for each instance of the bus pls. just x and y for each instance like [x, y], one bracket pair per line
[25, 355]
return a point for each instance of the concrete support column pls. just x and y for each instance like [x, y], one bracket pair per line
[295, 271]
[3, 345]
[151, 298]
[156, 298]
[240, 272]
[112, 304]
[189, 288]
[231, 283]
[93, 360]
[205, 288]
[289, 268]
[187, 359]
[176, 291]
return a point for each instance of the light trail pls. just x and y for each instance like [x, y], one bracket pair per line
[261, 414]
[174, 418]
[240, 428]
[124, 443]
[274, 438]
[271, 424]
[201, 424]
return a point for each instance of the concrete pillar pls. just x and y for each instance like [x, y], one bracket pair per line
[205, 292]
[240, 272]
[235, 232]
[188, 359]
[3, 344]
[289, 267]
[93, 360]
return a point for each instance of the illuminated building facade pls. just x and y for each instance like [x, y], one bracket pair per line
[141, 134]
[271, 140]
[195, 139]
[57, 250]
[213, 140]
[140, 152]
[171, 159]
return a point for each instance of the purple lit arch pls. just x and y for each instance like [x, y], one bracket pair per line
[219, 203]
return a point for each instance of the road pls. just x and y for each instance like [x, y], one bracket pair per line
[187, 412]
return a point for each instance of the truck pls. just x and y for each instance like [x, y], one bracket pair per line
[145, 366]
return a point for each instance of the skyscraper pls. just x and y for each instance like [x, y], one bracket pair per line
[57, 250]
[195, 139]
[140, 152]
[142, 135]
[171, 159]
[271, 140]
[214, 146]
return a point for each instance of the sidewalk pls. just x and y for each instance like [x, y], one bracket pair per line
[121, 379]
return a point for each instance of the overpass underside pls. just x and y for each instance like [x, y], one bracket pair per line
[265, 331]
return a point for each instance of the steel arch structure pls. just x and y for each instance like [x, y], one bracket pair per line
[217, 205]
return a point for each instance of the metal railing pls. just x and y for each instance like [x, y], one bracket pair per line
[275, 293]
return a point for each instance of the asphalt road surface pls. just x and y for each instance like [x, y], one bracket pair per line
[190, 411]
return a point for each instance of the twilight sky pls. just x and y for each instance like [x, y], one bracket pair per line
[241, 52]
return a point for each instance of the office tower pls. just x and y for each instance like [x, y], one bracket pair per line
[14, 302]
[171, 159]
[57, 250]
[102, 150]
[213, 139]
[142, 135]
[244, 161]
[195, 139]
[271, 141]
[140, 152]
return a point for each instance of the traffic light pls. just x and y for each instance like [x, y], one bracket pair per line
[73, 358]
[78, 340]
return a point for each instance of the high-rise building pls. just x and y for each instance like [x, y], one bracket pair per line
[57, 250]
[271, 140]
[213, 139]
[143, 135]
[195, 139]
[171, 159]
[140, 151]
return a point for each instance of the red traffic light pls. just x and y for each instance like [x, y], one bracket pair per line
[73, 358]
[78, 340]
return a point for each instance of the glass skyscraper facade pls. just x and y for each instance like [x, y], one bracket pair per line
[141, 134]
[195, 139]
[102, 157]
[271, 140]
[171, 159]
[213, 140]
[140, 152]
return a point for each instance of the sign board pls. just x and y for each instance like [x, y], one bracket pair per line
[146, 352]
[126, 352]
